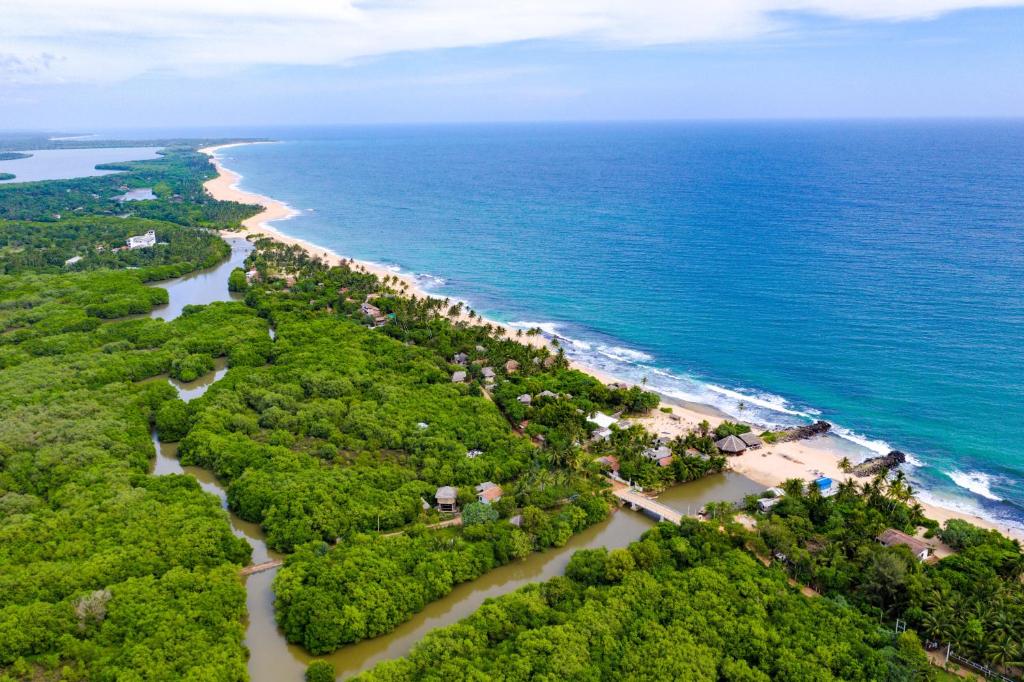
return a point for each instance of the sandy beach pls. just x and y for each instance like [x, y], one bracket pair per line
[769, 465]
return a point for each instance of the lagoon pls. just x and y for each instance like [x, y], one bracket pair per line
[61, 164]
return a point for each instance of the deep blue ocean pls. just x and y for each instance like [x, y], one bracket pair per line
[870, 274]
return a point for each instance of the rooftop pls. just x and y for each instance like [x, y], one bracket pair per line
[731, 444]
[891, 537]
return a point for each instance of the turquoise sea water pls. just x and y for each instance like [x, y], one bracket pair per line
[870, 274]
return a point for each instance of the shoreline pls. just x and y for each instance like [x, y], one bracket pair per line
[768, 465]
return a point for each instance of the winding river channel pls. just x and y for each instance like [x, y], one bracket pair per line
[272, 659]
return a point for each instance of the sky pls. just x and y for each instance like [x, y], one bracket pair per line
[76, 65]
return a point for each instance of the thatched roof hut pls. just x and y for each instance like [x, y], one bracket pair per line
[731, 445]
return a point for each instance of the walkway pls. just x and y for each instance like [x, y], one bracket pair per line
[637, 501]
[259, 568]
[454, 521]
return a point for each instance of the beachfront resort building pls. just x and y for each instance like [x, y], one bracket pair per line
[731, 445]
[488, 492]
[661, 454]
[374, 313]
[892, 538]
[142, 241]
[447, 499]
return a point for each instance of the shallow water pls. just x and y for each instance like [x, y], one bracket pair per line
[60, 164]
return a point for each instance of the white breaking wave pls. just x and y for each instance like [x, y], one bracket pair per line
[977, 482]
[761, 408]
[551, 331]
[627, 354]
[875, 445]
[427, 281]
[768, 401]
[548, 328]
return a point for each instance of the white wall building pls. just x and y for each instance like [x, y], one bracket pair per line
[142, 241]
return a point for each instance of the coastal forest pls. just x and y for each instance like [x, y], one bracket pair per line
[348, 408]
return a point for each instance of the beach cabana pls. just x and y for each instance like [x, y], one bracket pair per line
[751, 440]
[731, 445]
[447, 499]
[825, 486]
[458, 377]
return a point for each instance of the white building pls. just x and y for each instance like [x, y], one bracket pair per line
[142, 241]
[601, 419]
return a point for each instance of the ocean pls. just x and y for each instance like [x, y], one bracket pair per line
[866, 273]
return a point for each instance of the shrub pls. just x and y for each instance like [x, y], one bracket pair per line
[320, 671]
[478, 512]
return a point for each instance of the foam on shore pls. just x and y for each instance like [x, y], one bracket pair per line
[610, 361]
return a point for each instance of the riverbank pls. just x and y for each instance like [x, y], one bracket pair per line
[768, 466]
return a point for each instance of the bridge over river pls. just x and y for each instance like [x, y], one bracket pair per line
[636, 501]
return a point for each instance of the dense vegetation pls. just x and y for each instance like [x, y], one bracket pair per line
[334, 437]
[7, 176]
[684, 603]
[973, 598]
[363, 588]
[176, 179]
[693, 457]
[46, 246]
[107, 572]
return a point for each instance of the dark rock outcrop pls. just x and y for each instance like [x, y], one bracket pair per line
[803, 432]
[879, 465]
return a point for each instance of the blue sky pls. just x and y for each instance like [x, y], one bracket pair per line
[77, 64]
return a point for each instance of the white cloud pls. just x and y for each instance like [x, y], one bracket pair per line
[110, 40]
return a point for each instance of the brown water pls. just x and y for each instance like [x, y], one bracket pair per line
[189, 390]
[203, 286]
[167, 462]
[272, 659]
